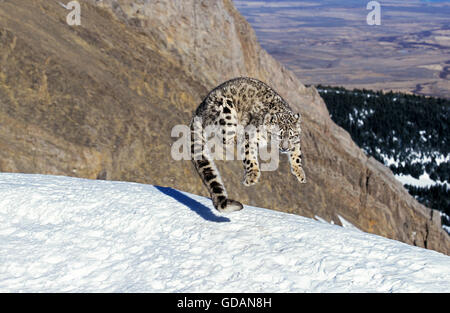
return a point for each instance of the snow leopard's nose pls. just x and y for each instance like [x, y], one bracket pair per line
[284, 145]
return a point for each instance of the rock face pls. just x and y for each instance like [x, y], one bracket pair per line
[99, 100]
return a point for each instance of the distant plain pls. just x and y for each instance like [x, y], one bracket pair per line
[330, 43]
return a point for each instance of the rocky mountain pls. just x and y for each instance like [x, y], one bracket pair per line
[99, 100]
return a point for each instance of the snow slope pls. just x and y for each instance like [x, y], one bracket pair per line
[61, 234]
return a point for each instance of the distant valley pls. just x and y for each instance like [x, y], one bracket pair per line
[329, 42]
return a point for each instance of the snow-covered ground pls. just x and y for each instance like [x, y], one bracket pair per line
[61, 234]
[424, 180]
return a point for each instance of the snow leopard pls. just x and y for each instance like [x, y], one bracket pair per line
[244, 101]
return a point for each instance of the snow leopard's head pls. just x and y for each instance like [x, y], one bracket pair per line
[285, 128]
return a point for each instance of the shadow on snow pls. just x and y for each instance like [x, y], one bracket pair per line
[192, 204]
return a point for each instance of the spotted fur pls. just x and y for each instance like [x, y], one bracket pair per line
[243, 101]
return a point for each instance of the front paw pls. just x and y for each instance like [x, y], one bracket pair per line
[300, 174]
[251, 178]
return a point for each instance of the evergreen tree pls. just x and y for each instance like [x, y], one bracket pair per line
[413, 130]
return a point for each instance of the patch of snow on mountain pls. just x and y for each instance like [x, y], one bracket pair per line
[423, 181]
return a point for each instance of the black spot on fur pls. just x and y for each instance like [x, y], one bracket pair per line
[217, 190]
[207, 171]
[202, 163]
[226, 110]
[215, 184]
[210, 177]
[222, 121]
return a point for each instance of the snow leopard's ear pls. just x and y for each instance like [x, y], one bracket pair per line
[297, 117]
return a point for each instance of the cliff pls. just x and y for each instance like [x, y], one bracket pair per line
[99, 101]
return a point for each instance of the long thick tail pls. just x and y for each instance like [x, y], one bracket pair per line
[206, 168]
